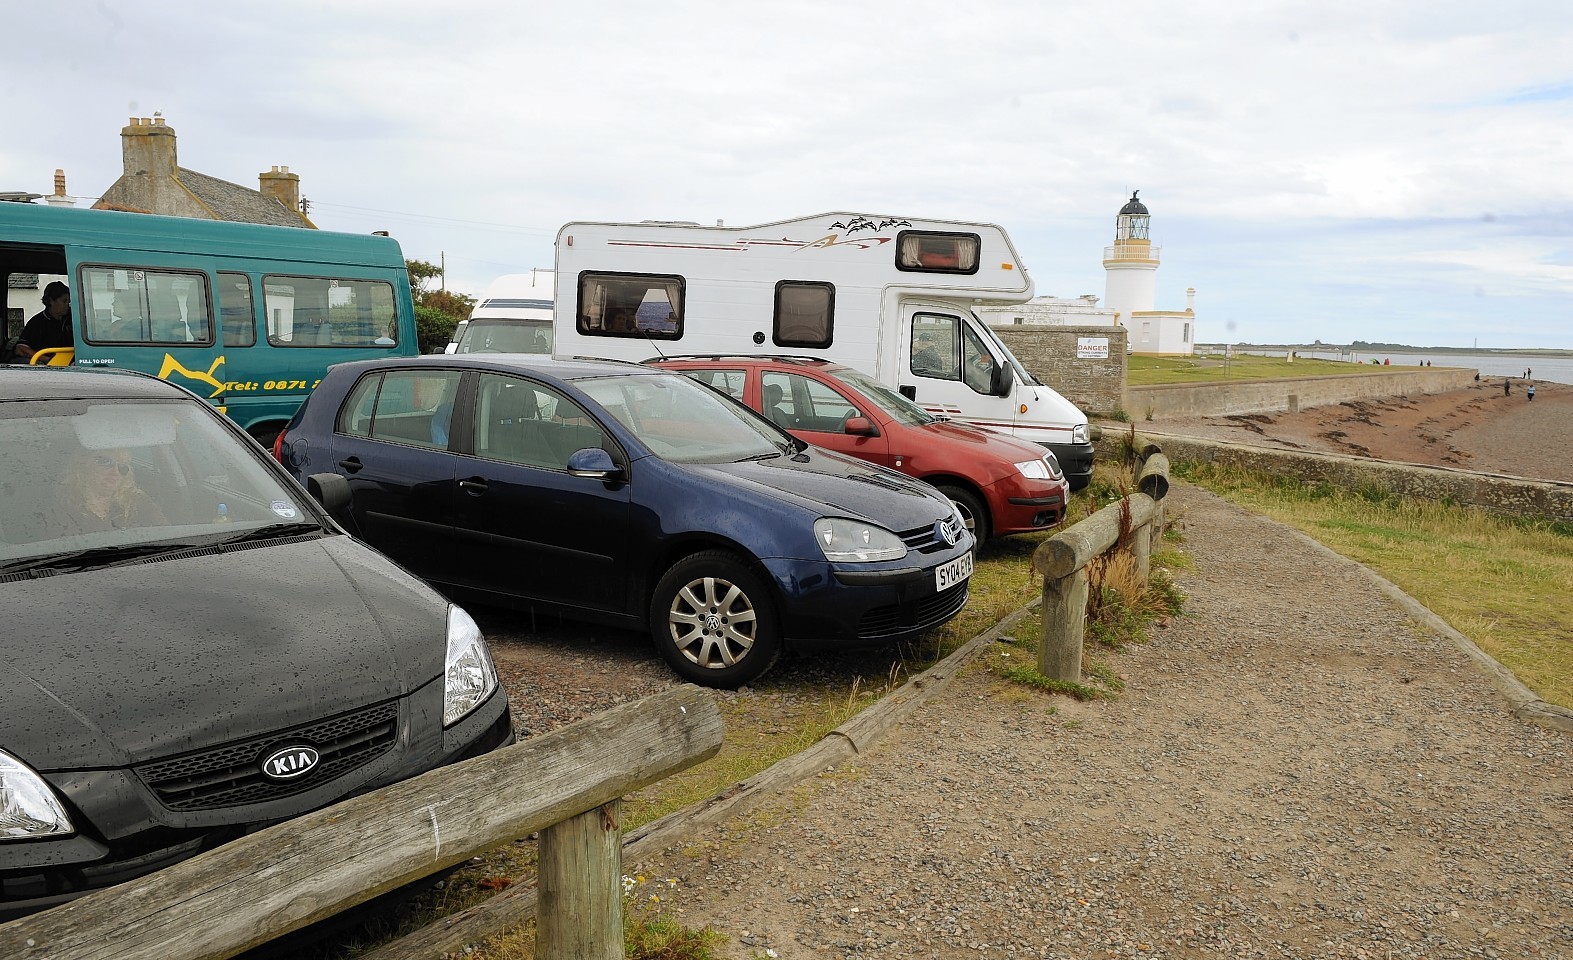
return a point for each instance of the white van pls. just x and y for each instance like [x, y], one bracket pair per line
[515, 316]
[891, 296]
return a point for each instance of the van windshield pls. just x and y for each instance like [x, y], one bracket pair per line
[988, 334]
[499, 335]
[86, 475]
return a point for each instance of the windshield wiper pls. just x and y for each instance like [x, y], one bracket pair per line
[96, 557]
[271, 531]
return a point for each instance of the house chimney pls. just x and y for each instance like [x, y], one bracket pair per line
[282, 186]
[149, 148]
[59, 198]
[1190, 299]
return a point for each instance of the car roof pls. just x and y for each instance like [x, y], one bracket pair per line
[27, 382]
[562, 368]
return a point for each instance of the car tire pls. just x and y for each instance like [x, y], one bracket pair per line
[714, 620]
[972, 510]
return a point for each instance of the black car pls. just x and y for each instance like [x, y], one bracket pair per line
[193, 649]
[633, 496]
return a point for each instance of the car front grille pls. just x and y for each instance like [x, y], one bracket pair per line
[231, 775]
[927, 611]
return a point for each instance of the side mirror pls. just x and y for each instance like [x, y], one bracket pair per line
[1002, 380]
[860, 427]
[329, 489]
[595, 463]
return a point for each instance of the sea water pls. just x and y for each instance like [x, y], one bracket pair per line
[1494, 366]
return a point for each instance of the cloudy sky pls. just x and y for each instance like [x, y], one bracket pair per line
[1338, 170]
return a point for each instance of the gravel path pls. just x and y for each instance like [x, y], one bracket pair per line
[1295, 769]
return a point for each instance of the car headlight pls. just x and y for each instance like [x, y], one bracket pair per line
[854, 541]
[1034, 469]
[469, 676]
[28, 808]
[1080, 434]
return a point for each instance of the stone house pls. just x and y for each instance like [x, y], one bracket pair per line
[154, 182]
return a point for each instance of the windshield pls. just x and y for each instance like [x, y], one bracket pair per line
[1001, 350]
[896, 406]
[87, 475]
[684, 421]
[506, 336]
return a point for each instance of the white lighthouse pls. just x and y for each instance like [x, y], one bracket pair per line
[1131, 276]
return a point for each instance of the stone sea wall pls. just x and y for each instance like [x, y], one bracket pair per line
[1493, 492]
[1285, 394]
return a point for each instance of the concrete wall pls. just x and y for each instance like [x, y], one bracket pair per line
[1287, 394]
[1097, 386]
[1493, 492]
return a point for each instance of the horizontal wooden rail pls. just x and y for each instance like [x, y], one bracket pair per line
[296, 873]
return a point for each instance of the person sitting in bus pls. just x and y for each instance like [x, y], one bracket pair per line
[51, 326]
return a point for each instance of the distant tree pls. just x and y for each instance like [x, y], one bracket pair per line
[437, 312]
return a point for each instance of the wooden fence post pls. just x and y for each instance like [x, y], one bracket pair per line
[580, 883]
[1064, 624]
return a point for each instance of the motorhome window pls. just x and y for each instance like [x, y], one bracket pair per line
[934, 346]
[921, 252]
[129, 305]
[805, 313]
[234, 310]
[646, 306]
[329, 312]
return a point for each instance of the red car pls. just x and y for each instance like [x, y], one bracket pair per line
[1001, 484]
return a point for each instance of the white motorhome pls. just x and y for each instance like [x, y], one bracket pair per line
[515, 316]
[891, 296]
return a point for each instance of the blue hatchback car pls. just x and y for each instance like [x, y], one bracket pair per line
[628, 495]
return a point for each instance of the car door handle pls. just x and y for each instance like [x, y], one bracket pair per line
[474, 485]
[351, 465]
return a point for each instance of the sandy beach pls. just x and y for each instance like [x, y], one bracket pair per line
[1476, 428]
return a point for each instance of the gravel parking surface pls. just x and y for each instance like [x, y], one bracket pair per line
[1295, 769]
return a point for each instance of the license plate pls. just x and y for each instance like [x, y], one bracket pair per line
[949, 574]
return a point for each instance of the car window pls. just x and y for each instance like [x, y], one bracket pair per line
[895, 406]
[682, 421]
[729, 382]
[528, 423]
[803, 403]
[86, 474]
[145, 306]
[402, 406]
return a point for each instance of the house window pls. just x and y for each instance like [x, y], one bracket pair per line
[1187, 336]
[647, 306]
[805, 314]
[922, 252]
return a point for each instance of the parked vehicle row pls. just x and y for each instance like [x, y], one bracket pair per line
[891, 297]
[624, 494]
[194, 649]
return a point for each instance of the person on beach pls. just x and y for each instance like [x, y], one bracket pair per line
[1532, 391]
[1507, 388]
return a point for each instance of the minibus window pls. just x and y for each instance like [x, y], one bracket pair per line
[127, 305]
[234, 308]
[329, 312]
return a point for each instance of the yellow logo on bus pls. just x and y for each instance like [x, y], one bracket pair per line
[211, 378]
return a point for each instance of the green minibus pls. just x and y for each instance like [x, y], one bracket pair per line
[246, 315]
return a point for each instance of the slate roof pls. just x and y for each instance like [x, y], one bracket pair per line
[231, 201]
